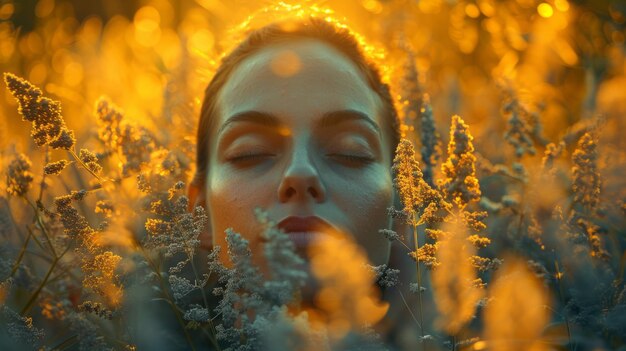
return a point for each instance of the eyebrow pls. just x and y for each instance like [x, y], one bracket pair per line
[329, 119]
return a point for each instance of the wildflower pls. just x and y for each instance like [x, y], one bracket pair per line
[427, 254]
[90, 160]
[105, 207]
[133, 144]
[415, 288]
[197, 314]
[591, 233]
[385, 277]
[455, 293]
[45, 114]
[72, 221]
[100, 276]
[21, 328]
[460, 185]
[240, 293]
[389, 234]
[550, 155]
[519, 133]
[286, 267]
[19, 176]
[435, 234]
[516, 315]
[86, 332]
[181, 287]
[96, 308]
[431, 150]
[177, 230]
[411, 96]
[483, 264]
[586, 187]
[54, 168]
[478, 241]
[417, 196]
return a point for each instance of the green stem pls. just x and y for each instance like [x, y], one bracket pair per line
[212, 335]
[43, 227]
[73, 153]
[167, 296]
[21, 254]
[558, 279]
[419, 278]
[33, 297]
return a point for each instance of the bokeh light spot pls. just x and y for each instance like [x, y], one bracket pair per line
[561, 5]
[545, 10]
[201, 41]
[6, 11]
[286, 64]
[471, 10]
[44, 8]
[147, 29]
[373, 6]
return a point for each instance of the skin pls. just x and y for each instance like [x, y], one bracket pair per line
[295, 165]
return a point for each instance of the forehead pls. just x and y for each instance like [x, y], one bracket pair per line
[298, 77]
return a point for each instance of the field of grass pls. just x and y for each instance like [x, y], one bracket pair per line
[511, 173]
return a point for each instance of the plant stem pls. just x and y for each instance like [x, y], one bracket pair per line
[419, 277]
[409, 309]
[206, 304]
[33, 297]
[43, 228]
[558, 279]
[167, 296]
[21, 254]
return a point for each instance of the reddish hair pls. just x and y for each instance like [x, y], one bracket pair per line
[337, 36]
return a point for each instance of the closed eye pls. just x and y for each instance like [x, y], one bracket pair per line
[249, 157]
[353, 158]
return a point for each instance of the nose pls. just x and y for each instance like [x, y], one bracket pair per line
[301, 179]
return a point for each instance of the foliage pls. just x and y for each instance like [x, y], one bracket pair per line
[520, 224]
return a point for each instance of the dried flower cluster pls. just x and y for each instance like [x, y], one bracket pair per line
[133, 144]
[44, 114]
[98, 264]
[19, 177]
[424, 203]
[431, 150]
[519, 133]
[459, 184]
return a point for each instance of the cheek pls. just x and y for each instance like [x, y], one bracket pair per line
[364, 204]
[231, 203]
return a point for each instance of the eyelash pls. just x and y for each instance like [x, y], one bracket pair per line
[353, 158]
[248, 157]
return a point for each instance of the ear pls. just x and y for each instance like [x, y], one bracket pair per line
[197, 197]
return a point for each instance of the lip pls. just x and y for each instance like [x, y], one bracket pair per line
[305, 231]
[304, 224]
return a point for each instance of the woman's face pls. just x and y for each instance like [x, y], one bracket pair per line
[300, 134]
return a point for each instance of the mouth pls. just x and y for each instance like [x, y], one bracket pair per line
[305, 231]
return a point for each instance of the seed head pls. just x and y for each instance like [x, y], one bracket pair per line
[44, 114]
[19, 176]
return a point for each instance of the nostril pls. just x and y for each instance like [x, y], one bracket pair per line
[290, 192]
[313, 192]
